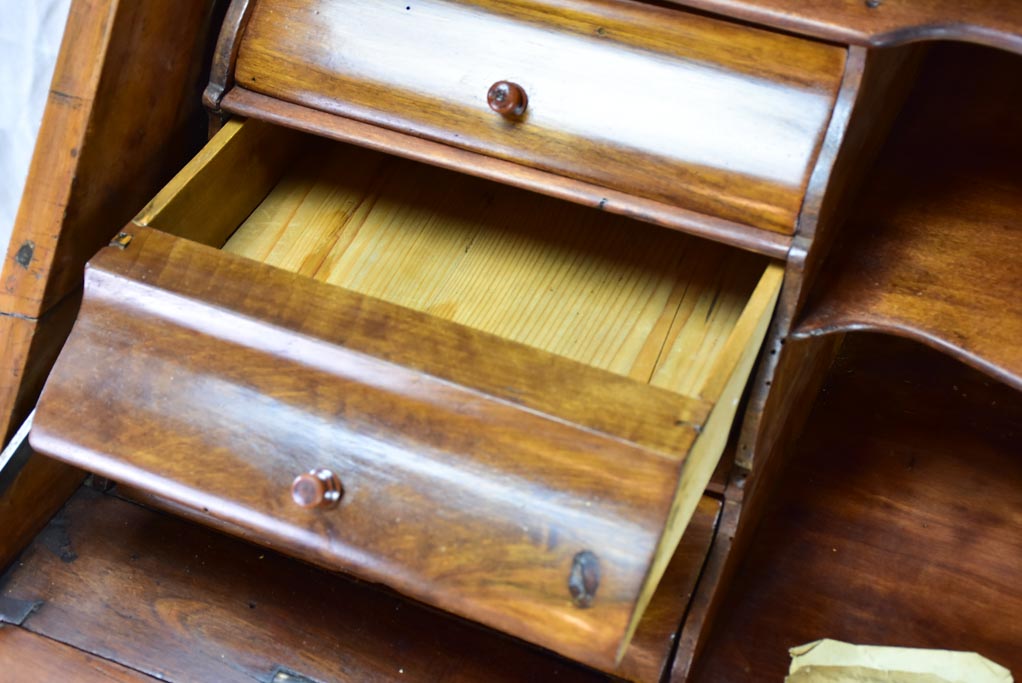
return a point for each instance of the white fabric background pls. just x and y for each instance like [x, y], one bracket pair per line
[30, 34]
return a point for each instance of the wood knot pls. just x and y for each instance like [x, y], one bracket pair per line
[584, 578]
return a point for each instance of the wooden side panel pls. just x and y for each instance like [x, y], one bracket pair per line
[476, 497]
[718, 118]
[934, 251]
[206, 607]
[997, 23]
[27, 657]
[896, 522]
[28, 349]
[123, 114]
[32, 488]
[222, 184]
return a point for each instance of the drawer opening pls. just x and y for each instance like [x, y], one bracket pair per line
[651, 304]
[525, 398]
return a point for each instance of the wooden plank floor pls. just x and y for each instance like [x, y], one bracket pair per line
[900, 522]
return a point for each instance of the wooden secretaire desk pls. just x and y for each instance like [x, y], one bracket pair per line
[516, 309]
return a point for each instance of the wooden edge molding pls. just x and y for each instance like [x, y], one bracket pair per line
[792, 370]
[822, 326]
[883, 23]
[251, 104]
[221, 77]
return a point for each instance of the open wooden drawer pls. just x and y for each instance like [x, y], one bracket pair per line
[513, 403]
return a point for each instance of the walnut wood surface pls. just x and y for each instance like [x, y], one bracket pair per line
[791, 371]
[717, 118]
[25, 656]
[934, 251]
[260, 107]
[897, 521]
[121, 117]
[32, 488]
[207, 607]
[592, 465]
[221, 73]
[997, 23]
[219, 187]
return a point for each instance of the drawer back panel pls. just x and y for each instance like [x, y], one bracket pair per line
[722, 119]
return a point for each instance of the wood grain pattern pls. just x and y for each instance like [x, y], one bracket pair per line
[25, 656]
[121, 118]
[935, 250]
[791, 371]
[218, 188]
[28, 348]
[597, 458]
[118, 123]
[250, 104]
[997, 23]
[646, 303]
[221, 72]
[717, 118]
[897, 521]
[207, 607]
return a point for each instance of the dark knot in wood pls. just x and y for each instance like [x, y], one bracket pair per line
[584, 578]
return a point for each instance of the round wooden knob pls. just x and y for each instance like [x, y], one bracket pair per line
[316, 489]
[507, 98]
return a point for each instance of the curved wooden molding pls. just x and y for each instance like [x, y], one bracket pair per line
[883, 23]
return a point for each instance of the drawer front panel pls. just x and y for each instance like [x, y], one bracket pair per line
[717, 118]
[468, 482]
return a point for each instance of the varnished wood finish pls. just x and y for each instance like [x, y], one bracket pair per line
[261, 107]
[791, 371]
[717, 118]
[121, 118]
[875, 85]
[591, 466]
[206, 607]
[897, 521]
[25, 656]
[28, 348]
[934, 251]
[221, 73]
[881, 23]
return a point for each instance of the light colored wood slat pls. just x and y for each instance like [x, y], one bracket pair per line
[652, 304]
[194, 205]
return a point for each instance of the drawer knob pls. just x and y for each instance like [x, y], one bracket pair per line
[318, 488]
[507, 98]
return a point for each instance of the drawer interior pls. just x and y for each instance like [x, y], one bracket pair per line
[651, 304]
[525, 398]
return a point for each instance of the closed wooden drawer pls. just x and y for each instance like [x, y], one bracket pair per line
[512, 404]
[721, 119]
